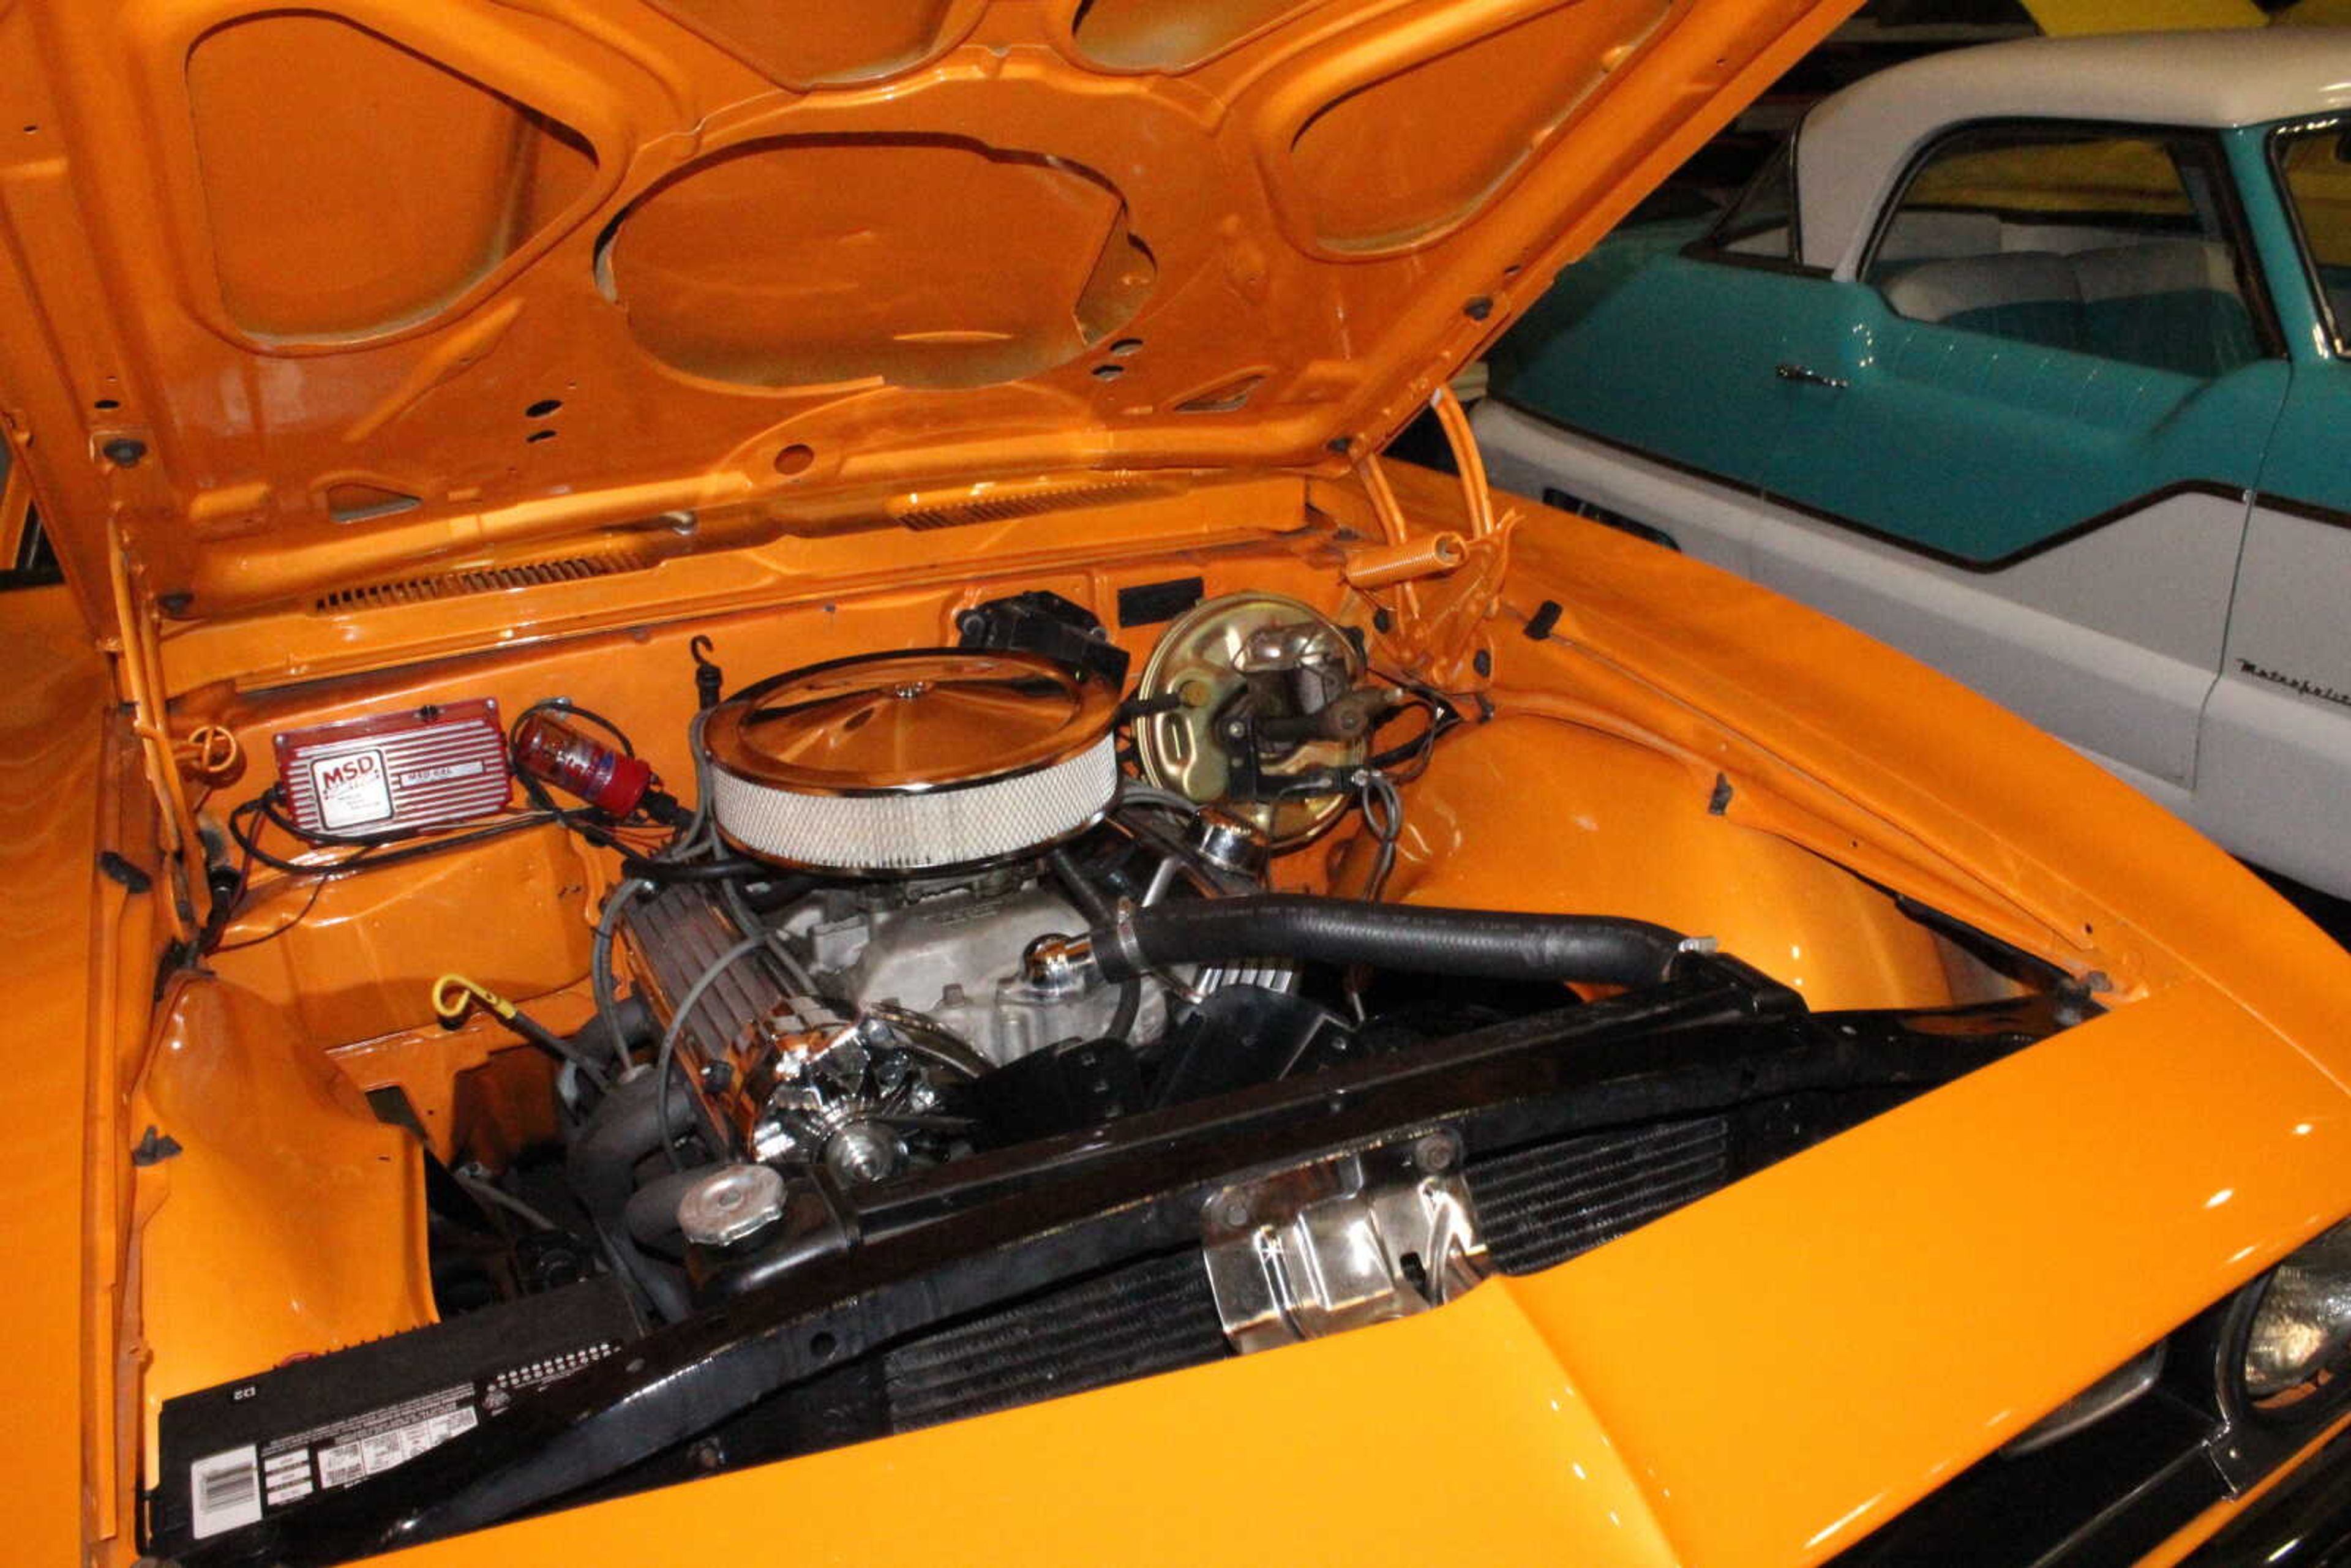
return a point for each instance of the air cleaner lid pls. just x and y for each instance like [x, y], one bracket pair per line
[912, 762]
[900, 723]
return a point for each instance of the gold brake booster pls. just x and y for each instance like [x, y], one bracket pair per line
[1257, 703]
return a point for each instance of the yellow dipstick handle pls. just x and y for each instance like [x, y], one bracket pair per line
[453, 994]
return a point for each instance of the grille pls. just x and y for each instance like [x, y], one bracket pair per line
[486, 580]
[1543, 1206]
[1536, 1208]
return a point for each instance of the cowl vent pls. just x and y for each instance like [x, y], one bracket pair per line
[1005, 509]
[483, 579]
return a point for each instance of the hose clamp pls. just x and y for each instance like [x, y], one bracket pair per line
[1125, 945]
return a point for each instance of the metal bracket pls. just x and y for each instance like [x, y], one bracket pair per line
[1349, 1239]
[153, 1148]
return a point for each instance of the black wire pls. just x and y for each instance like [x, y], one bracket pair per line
[586, 820]
[372, 854]
[1123, 1014]
[250, 845]
[1444, 717]
[555, 1045]
[736, 868]
[419, 839]
[1419, 743]
[301, 914]
[224, 905]
[367, 854]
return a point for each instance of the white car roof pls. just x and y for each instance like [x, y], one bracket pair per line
[1853, 147]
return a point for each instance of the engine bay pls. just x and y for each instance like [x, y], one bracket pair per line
[871, 951]
[936, 1028]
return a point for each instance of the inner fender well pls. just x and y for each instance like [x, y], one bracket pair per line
[1533, 813]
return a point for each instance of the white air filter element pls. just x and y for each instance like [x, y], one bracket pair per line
[912, 762]
[919, 831]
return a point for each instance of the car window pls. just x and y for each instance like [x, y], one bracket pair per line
[2315, 167]
[1762, 221]
[2116, 245]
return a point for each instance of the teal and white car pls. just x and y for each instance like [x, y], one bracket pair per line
[2033, 360]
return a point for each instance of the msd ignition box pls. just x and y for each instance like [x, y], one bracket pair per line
[394, 772]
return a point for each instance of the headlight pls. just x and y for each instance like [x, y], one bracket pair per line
[2298, 1327]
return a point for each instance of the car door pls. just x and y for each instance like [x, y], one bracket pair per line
[2027, 437]
[1672, 357]
[2277, 733]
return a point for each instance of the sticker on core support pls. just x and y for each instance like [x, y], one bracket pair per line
[224, 1491]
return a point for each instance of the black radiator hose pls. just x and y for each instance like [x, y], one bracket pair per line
[1478, 943]
[624, 1129]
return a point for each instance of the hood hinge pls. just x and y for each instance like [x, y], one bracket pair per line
[139, 680]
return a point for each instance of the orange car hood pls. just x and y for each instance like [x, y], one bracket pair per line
[295, 298]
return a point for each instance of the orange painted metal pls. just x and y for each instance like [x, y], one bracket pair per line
[432, 402]
[1754, 1380]
[1606, 716]
[356, 954]
[291, 1220]
[1899, 1251]
[1588, 820]
[61, 1230]
[530, 277]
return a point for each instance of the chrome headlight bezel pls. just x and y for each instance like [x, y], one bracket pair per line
[2312, 1285]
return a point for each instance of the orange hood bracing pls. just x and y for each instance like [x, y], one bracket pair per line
[300, 299]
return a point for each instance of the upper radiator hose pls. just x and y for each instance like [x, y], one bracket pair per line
[1479, 943]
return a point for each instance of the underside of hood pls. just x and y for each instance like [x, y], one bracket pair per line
[292, 294]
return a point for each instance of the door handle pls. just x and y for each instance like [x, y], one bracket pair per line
[1805, 374]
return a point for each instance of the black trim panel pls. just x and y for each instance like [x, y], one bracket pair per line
[2109, 1494]
[2306, 1522]
[1699, 250]
[1712, 246]
[2121, 1487]
[2310, 511]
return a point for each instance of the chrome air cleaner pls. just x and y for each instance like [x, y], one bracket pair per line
[911, 761]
